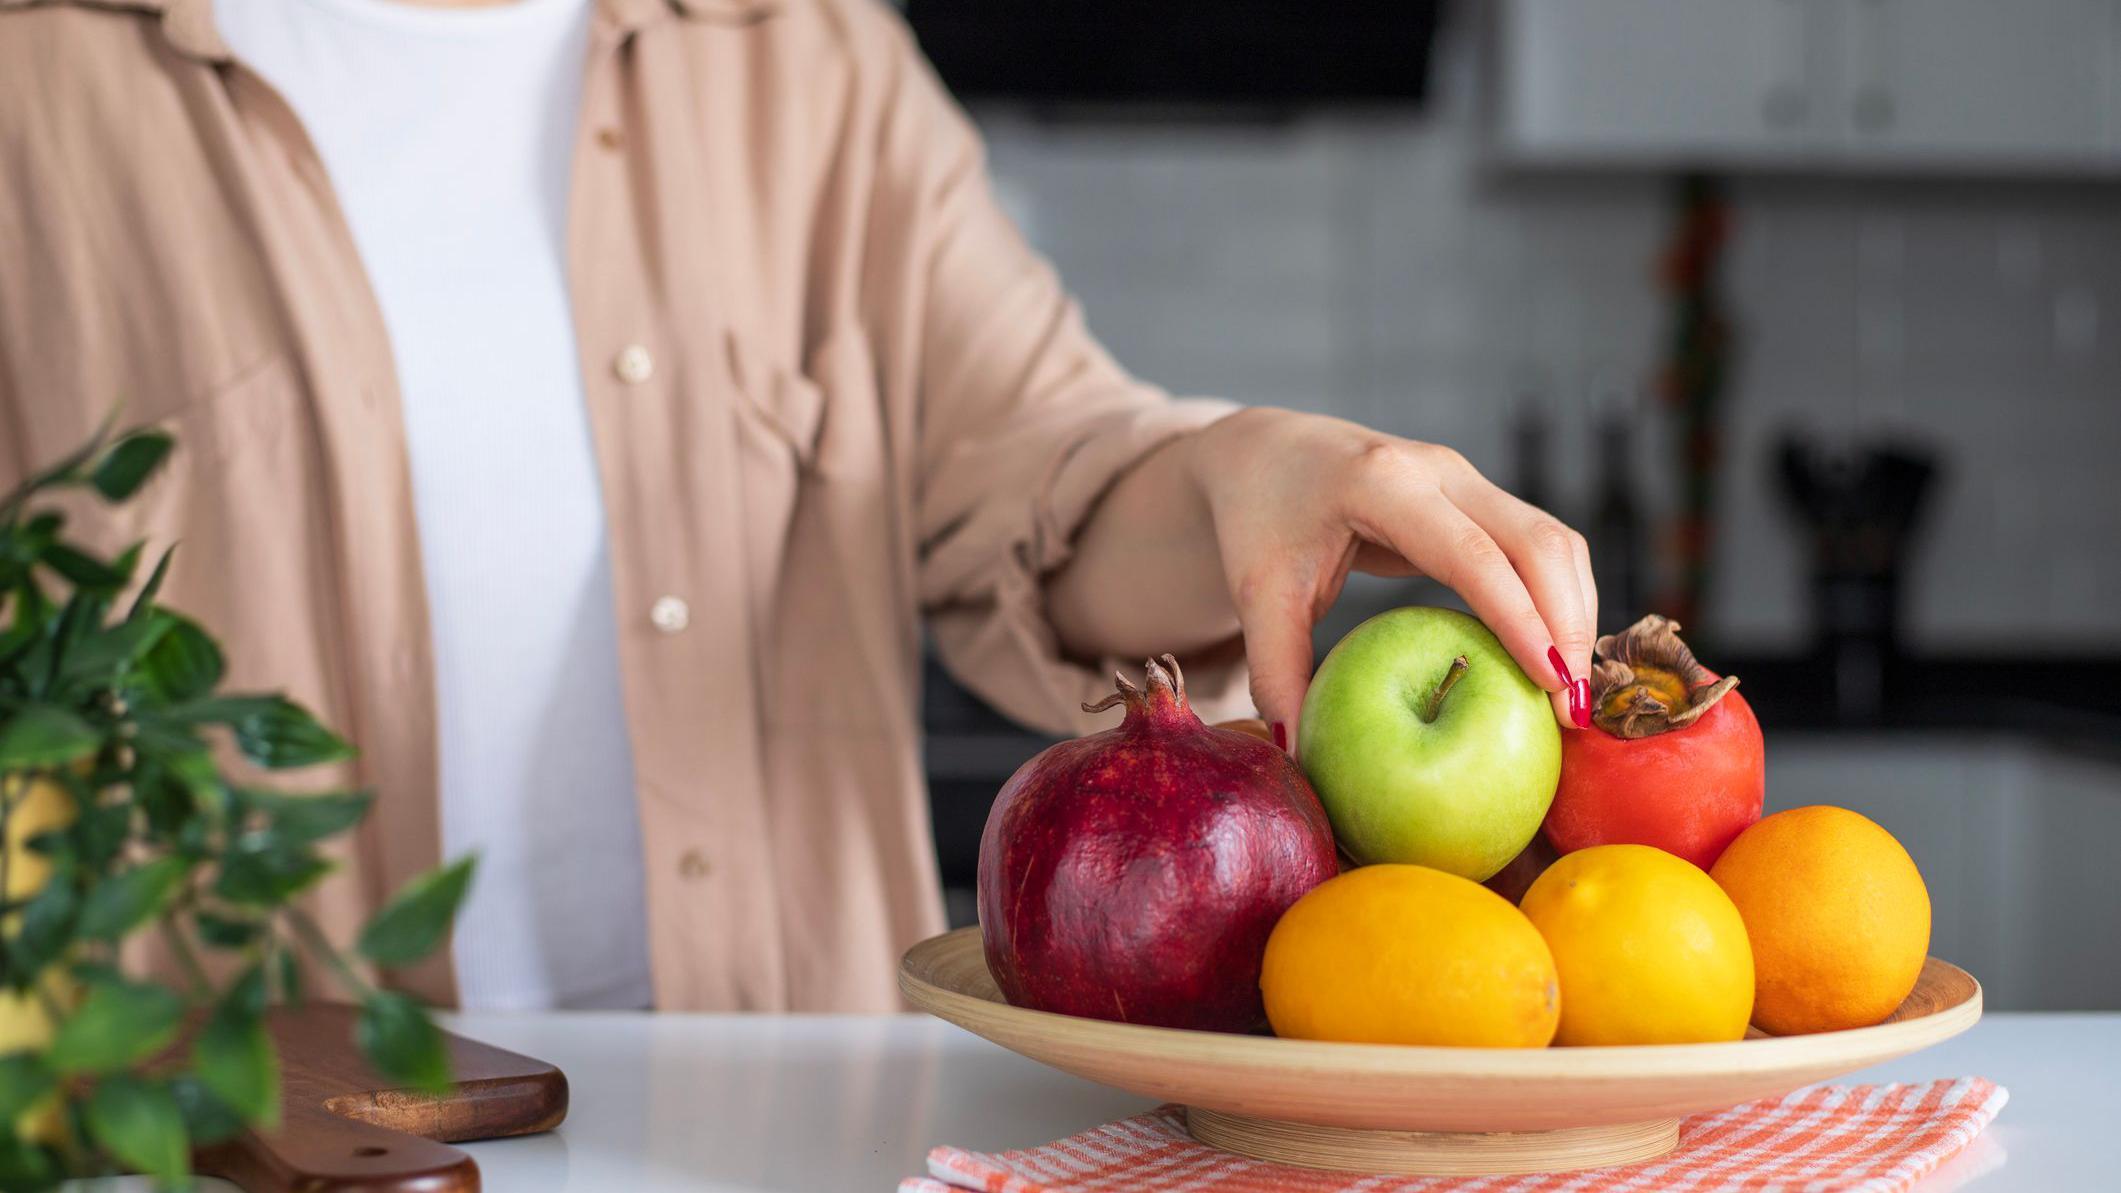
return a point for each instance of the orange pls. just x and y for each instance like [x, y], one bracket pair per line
[1650, 950]
[1838, 914]
[1394, 954]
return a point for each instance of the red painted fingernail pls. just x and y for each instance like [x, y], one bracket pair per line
[1580, 703]
[1281, 737]
[1560, 668]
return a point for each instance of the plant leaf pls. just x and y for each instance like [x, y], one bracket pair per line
[31, 612]
[267, 874]
[42, 736]
[167, 738]
[138, 1122]
[206, 1118]
[81, 569]
[47, 927]
[402, 1042]
[119, 1024]
[100, 833]
[417, 919]
[246, 996]
[304, 818]
[196, 771]
[146, 600]
[128, 560]
[63, 471]
[25, 1167]
[23, 1080]
[287, 976]
[184, 663]
[115, 648]
[165, 802]
[225, 932]
[77, 620]
[234, 1055]
[128, 464]
[122, 902]
[287, 736]
[41, 531]
[271, 730]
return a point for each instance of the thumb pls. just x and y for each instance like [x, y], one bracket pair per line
[1277, 630]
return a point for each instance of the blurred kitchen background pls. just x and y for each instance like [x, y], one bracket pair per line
[1808, 312]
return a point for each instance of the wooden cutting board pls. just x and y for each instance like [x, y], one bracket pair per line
[343, 1127]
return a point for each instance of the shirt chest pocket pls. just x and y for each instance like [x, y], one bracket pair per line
[829, 579]
[780, 416]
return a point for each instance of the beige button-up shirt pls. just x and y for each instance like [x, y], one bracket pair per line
[832, 395]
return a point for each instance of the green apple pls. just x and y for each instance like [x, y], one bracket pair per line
[1420, 759]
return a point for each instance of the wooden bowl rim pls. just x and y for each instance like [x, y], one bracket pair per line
[1634, 1060]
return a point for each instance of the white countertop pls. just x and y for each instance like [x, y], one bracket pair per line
[846, 1104]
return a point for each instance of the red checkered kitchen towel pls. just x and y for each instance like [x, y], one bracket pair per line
[1826, 1139]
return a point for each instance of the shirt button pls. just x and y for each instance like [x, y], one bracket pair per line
[670, 614]
[693, 866]
[610, 138]
[633, 365]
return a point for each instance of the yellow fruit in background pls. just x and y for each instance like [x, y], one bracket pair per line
[1394, 954]
[24, 1024]
[1838, 914]
[1649, 949]
[33, 808]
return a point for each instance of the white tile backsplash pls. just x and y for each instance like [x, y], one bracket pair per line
[1373, 266]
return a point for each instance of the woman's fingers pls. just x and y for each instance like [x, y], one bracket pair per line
[1554, 563]
[1276, 616]
[1301, 499]
[1587, 580]
[1517, 575]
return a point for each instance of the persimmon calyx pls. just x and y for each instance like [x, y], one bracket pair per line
[1645, 681]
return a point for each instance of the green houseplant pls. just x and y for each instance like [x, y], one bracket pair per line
[118, 820]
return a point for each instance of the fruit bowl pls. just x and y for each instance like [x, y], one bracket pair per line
[1387, 1108]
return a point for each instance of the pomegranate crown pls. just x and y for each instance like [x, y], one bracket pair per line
[1165, 696]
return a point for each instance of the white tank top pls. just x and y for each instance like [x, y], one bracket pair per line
[448, 134]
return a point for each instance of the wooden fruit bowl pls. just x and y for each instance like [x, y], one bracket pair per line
[1388, 1108]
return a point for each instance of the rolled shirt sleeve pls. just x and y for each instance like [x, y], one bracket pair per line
[1024, 423]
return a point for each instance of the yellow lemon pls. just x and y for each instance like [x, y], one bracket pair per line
[33, 808]
[24, 1024]
[1649, 948]
[1394, 954]
[1838, 913]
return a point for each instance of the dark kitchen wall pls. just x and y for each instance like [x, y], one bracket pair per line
[1371, 262]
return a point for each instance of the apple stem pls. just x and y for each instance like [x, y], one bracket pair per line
[1450, 679]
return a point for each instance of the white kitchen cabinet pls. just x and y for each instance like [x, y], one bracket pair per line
[2016, 842]
[1974, 81]
[1843, 85]
[1659, 78]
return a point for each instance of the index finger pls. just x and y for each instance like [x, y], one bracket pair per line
[1427, 529]
[1553, 562]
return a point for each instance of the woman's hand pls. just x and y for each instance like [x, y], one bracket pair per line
[1260, 517]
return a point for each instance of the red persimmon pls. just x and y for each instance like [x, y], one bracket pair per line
[1674, 758]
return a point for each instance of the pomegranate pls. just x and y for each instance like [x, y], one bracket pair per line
[1134, 874]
